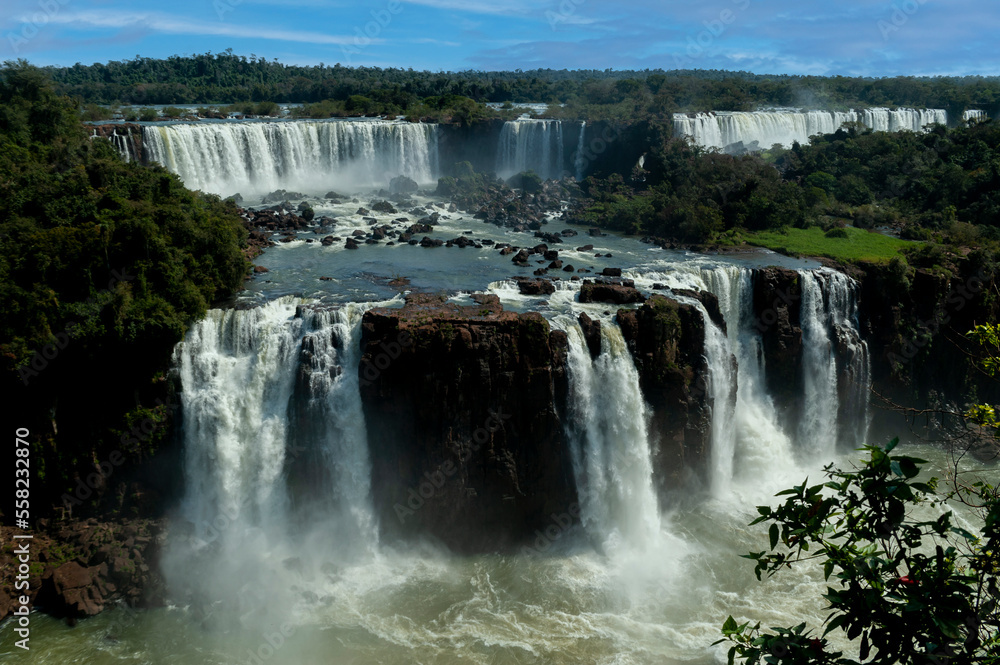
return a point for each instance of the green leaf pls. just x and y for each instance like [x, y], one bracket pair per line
[835, 623]
[773, 533]
[730, 626]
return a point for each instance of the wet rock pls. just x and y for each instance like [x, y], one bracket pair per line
[591, 334]
[403, 185]
[617, 294]
[667, 342]
[709, 301]
[485, 421]
[535, 287]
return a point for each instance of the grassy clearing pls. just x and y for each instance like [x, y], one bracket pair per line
[859, 245]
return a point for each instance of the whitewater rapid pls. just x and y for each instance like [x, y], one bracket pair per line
[719, 129]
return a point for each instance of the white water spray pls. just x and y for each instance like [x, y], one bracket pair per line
[608, 428]
[580, 160]
[277, 468]
[254, 158]
[535, 145]
[718, 129]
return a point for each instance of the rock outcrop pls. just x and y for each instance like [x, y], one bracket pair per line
[667, 342]
[80, 568]
[462, 411]
[616, 293]
[777, 304]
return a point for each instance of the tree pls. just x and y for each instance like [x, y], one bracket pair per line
[914, 587]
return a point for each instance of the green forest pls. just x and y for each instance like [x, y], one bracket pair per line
[226, 78]
[942, 186]
[103, 265]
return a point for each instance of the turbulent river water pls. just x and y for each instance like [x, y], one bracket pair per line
[622, 578]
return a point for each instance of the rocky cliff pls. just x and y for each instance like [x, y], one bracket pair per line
[667, 342]
[463, 409]
[461, 405]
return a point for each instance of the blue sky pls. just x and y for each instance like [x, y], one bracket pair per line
[859, 37]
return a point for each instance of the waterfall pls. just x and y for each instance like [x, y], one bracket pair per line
[765, 128]
[750, 442]
[853, 359]
[836, 364]
[535, 145]
[125, 146]
[974, 114]
[609, 439]
[818, 427]
[757, 445]
[579, 160]
[255, 158]
[243, 374]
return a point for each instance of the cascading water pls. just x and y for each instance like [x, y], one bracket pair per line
[258, 157]
[535, 145]
[579, 160]
[836, 374]
[853, 359]
[275, 445]
[609, 436]
[125, 146]
[765, 128]
[273, 426]
[818, 427]
[758, 445]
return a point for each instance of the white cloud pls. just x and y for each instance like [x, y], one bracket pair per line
[176, 26]
[480, 7]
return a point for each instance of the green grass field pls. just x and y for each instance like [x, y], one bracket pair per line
[859, 245]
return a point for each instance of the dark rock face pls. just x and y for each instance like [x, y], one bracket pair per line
[915, 323]
[777, 304]
[709, 301]
[461, 406]
[667, 342]
[86, 566]
[402, 185]
[616, 294]
[591, 333]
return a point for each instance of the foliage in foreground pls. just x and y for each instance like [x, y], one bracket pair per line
[904, 587]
